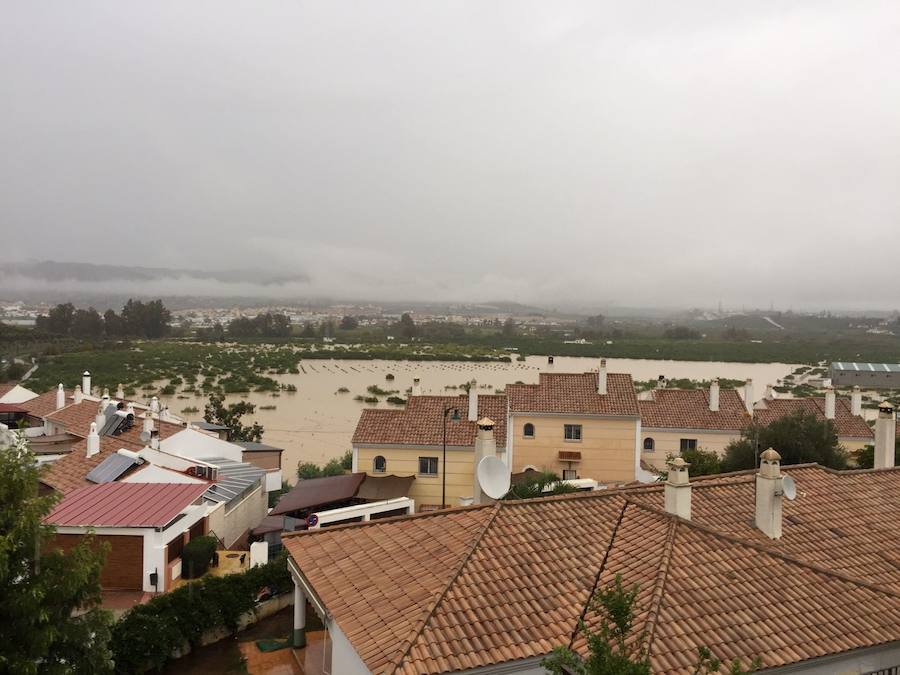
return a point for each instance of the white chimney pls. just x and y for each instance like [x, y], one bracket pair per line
[661, 382]
[678, 489]
[748, 395]
[93, 441]
[473, 401]
[601, 378]
[770, 392]
[60, 397]
[120, 392]
[885, 436]
[100, 419]
[714, 395]
[148, 422]
[417, 387]
[86, 383]
[829, 403]
[856, 401]
[104, 401]
[129, 409]
[154, 405]
[485, 446]
[78, 397]
[769, 494]
[154, 439]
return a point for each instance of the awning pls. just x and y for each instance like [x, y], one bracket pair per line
[569, 456]
[378, 488]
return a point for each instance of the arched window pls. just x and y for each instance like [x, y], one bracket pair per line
[379, 464]
[648, 444]
[528, 430]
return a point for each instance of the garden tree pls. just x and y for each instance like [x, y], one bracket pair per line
[610, 652]
[41, 587]
[349, 323]
[334, 467]
[702, 462]
[539, 484]
[347, 460]
[87, 323]
[307, 470]
[799, 438]
[217, 412]
[406, 325]
[865, 458]
[509, 327]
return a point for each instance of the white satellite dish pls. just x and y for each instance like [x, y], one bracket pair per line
[789, 487]
[145, 437]
[493, 477]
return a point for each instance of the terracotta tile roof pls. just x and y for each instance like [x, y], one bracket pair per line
[69, 473]
[511, 580]
[576, 394]
[77, 418]
[845, 422]
[421, 422]
[125, 504]
[689, 409]
[44, 404]
[6, 387]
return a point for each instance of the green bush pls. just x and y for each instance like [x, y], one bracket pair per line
[148, 635]
[197, 557]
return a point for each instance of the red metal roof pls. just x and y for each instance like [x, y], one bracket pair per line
[125, 504]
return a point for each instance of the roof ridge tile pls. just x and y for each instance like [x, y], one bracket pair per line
[662, 576]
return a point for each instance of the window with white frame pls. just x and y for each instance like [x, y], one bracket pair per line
[572, 432]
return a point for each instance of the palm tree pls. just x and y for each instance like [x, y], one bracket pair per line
[539, 484]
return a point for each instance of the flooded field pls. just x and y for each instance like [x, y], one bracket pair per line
[316, 423]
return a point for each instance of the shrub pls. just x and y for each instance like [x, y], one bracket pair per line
[197, 556]
[307, 470]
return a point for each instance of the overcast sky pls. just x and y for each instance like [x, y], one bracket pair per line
[636, 153]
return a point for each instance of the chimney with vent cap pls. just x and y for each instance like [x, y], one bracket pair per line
[770, 392]
[714, 395]
[417, 387]
[769, 494]
[120, 392]
[678, 489]
[661, 382]
[485, 446]
[748, 395]
[100, 419]
[473, 401]
[885, 436]
[104, 400]
[601, 378]
[154, 405]
[148, 422]
[856, 401]
[78, 396]
[93, 441]
[60, 397]
[829, 403]
[86, 383]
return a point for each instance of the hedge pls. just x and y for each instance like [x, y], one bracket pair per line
[148, 635]
[197, 556]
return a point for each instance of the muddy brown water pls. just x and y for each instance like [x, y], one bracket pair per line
[316, 423]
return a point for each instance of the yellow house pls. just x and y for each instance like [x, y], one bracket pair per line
[410, 442]
[577, 425]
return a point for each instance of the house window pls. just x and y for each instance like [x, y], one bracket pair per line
[572, 432]
[688, 444]
[569, 474]
[428, 466]
[528, 430]
[649, 445]
[379, 464]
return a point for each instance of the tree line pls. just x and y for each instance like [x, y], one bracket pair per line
[137, 319]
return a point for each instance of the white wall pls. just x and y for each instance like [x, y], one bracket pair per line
[198, 445]
[344, 659]
[244, 516]
[273, 480]
[157, 474]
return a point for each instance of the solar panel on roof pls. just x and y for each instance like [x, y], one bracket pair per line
[111, 468]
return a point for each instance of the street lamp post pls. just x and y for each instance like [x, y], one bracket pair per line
[455, 417]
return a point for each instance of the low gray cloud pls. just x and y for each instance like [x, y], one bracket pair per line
[567, 153]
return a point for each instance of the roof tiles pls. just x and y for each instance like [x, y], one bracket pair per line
[575, 394]
[689, 409]
[845, 423]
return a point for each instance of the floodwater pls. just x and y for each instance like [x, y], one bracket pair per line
[316, 423]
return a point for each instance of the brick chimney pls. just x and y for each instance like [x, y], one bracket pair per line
[601, 378]
[78, 396]
[93, 441]
[714, 395]
[485, 446]
[769, 494]
[885, 436]
[86, 383]
[678, 489]
[856, 401]
[60, 397]
[473, 401]
[748, 395]
[829, 403]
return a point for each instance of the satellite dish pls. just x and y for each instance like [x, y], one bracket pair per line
[789, 487]
[145, 437]
[493, 477]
